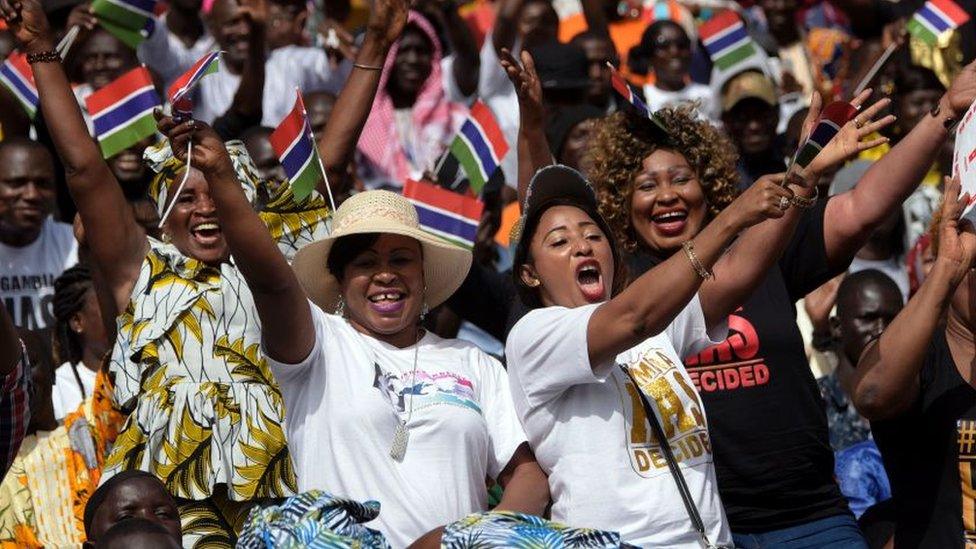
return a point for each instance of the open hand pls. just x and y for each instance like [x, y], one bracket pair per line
[767, 198]
[387, 20]
[81, 16]
[209, 155]
[957, 241]
[849, 141]
[28, 23]
[527, 85]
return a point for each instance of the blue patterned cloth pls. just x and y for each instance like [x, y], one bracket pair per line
[314, 519]
[862, 476]
[504, 529]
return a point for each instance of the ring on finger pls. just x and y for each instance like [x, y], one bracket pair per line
[857, 123]
[784, 203]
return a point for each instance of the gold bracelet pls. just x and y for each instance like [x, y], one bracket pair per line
[697, 265]
[367, 67]
[805, 203]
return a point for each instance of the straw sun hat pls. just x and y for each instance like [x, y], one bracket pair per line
[445, 264]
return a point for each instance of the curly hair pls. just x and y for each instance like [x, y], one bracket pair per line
[623, 140]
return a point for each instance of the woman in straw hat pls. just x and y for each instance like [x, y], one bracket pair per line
[377, 407]
[204, 413]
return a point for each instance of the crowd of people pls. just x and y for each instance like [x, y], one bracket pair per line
[668, 332]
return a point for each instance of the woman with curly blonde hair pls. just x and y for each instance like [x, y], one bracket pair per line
[659, 185]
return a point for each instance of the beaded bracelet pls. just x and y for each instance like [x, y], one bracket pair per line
[696, 264]
[50, 56]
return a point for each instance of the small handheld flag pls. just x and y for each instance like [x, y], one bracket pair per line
[479, 146]
[131, 21]
[832, 119]
[726, 40]
[208, 64]
[449, 215]
[122, 111]
[17, 76]
[293, 144]
[935, 18]
[623, 88]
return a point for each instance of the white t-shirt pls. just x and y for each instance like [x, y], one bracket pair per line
[343, 404]
[285, 69]
[707, 104]
[590, 434]
[168, 56]
[27, 274]
[66, 394]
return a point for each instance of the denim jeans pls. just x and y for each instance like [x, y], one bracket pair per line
[839, 532]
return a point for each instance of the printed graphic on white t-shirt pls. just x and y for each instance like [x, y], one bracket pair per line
[27, 274]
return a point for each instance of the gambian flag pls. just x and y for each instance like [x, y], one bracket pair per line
[131, 21]
[447, 214]
[17, 76]
[122, 112]
[208, 64]
[479, 146]
[935, 18]
[726, 40]
[292, 142]
[832, 119]
[621, 86]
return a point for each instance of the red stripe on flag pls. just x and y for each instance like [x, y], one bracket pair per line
[486, 119]
[188, 75]
[18, 61]
[717, 24]
[950, 8]
[838, 112]
[289, 129]
[122, 86]
[620, 84]
[465, 206]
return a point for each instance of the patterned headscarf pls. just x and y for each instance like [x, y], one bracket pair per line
[168, 168]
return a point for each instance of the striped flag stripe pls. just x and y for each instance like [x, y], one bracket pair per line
[135, 80]
[139, 101]
[951, 10]
[292, 143]
[466, 158]
[126, 121]
[445, 200]
[305, 180]
[937, 21]
[121, 13]
[721, 23]
[299, 154]
[446, 225]
[145, 8]
[23, 91]
[472, 135]
[206, 65]
[727, 40]
[490, 129]
[743, 51]
[124, 136]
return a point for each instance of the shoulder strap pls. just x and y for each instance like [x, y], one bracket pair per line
[676, 474]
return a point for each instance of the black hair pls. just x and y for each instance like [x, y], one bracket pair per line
[910, 78]
[102, 493]
[69, 298]
[117, 535]
[529, 295]
[345, 249]
[639, 57]
[852, 283]
[19, 141]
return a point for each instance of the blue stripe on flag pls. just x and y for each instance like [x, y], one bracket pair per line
[726, 41]
[298, 155]
[824, 132]
[481, 148]
[17, 81]
[122, 113]
[940, 24]
[439, 221]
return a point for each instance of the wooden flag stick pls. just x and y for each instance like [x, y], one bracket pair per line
[186, 175]
[863, 84]
[325, 176]
[69, 39]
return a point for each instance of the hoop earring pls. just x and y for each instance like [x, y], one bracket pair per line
[340, 309]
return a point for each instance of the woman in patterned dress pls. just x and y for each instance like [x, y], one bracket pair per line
[205, 415]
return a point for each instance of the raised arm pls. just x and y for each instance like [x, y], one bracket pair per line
[386, 22]
[247, 108]
[851, 217]
[467, 61]
[741, 270]
[533, 147]
[117, 242]
[287, 331]
[886, 380]
[505, 30]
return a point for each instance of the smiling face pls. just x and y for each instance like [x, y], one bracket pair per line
[570, 259]
[412, 65]
[671, 56]
[668, 204]
[383, 288]
[193, 225]
[105, 58]
[230, 28]
[138, 497]
[27, 192]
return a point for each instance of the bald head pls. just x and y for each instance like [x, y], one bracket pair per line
[867, 302]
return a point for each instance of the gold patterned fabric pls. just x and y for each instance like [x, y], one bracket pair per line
[944, 58]
[204, 408]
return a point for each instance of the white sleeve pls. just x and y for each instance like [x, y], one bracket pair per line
[688, 332]
[451, 88]
[297, 374]
[548, 353]
[159, 53]
[317, 71]
[505, 433]
[492, 79]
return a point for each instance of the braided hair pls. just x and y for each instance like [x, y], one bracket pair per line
[69, 298]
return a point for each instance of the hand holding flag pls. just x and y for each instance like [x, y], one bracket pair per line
[182, 86]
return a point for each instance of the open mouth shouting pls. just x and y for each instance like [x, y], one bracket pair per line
[387, 301]
[590, 281]
[671, 222]
[207, 233]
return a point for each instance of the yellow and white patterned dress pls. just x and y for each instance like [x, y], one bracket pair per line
[204, 408]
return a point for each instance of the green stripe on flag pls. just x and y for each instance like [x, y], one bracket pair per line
[127, 135]
[310, 175]
[736, 56]
[130, 37]
[469, 162]
[922, 32]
